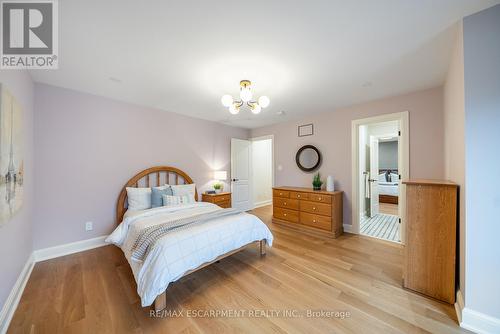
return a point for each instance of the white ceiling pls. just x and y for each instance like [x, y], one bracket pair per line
[307, 56]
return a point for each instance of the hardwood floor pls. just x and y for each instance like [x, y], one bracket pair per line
[94, 292]
[388, 208]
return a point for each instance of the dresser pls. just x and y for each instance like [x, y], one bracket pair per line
[223, 199]
[308, 210]
[430, 244]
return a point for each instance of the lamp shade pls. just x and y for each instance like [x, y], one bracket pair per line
[264, 101]
[233, 109]
[256, 108]
[246, 94]
[220, 175]
[227, 100]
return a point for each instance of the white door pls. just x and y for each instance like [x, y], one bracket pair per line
[240, 174]
[374, 200]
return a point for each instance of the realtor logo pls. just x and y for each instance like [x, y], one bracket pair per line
[29, 34]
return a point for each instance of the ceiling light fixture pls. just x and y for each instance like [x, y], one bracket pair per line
[245, 97]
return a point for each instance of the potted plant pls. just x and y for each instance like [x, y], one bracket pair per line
[218, 187]
[317, 182]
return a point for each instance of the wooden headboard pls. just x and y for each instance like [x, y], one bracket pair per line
[151, 177]
[383, 170]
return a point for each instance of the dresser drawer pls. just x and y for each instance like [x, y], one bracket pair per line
[285, 214]
[286, 203]
[281, 193]
[322, 222]
[222, 198]
[320, 198]
[316, 208]
[298, 195]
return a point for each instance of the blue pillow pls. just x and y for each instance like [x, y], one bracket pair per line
[157, 195]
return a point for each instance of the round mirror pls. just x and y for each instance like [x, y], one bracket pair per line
[308, 158]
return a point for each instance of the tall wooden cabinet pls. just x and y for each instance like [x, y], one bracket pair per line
[308, 210]
[430, 249]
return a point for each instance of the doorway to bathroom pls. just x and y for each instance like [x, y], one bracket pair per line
[379, 166]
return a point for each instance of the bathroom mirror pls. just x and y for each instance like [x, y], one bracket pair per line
[308, 158]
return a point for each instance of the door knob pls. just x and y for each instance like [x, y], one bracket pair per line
[234, 180]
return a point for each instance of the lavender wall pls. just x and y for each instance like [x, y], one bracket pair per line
[481, 33]
[332, 135]
[16, 242]
[87, 147]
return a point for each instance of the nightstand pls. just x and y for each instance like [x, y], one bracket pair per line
[223, 199]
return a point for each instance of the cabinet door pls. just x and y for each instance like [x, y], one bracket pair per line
[429, 266]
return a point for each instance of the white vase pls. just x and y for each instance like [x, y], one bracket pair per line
[329, 183]
[218, 191]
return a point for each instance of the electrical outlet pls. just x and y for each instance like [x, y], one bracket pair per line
[89, 226]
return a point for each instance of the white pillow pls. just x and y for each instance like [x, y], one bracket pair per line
[138, 198]
[177, 200]
[183, 189]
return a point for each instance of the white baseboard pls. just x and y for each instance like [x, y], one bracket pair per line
[478, 322]
[475, 321]
[459, 306]
[348, 228]
[10, 305]
[66, 249]
[263, 203]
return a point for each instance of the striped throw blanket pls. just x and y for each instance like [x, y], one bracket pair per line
[148, 237]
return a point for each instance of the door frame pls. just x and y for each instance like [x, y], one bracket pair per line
[373, 176]
[403, 165]
[272, 167]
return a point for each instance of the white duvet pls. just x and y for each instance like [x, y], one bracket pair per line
[185, 249]
[388, 188]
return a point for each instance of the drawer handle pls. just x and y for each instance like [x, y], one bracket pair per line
[314, 208]
[319, 199]
[281, 194]
[284, 203]
[284, 214]
[298, 196]
[314, 220]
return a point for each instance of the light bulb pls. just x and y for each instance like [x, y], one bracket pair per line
[256, 108]
[246, 94]
[264, 101]
[227, 100]
[233, 109]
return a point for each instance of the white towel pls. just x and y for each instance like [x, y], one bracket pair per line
[367, 184]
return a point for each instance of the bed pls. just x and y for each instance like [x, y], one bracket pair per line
[163, 244]
[388, 190]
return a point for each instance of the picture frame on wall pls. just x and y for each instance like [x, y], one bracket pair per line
[11, 156]
[305, 130]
